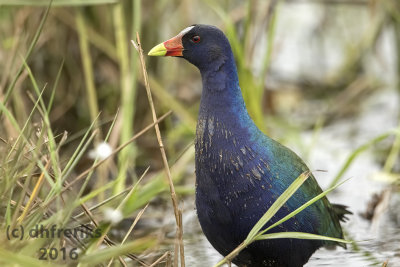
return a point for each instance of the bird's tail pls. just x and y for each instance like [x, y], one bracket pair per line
[341, 211]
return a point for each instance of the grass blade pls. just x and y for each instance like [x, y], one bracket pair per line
[281, 200]
[300, 235]
[356, 152]
[302, 207]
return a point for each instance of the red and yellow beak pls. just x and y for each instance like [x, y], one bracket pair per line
[173, 47]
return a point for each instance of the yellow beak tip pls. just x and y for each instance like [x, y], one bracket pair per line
[158, 51]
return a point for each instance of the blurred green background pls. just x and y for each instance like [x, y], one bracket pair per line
[70, 80]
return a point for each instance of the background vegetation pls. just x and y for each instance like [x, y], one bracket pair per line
[73, 107]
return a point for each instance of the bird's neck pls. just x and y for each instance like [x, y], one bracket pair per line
[221, 97]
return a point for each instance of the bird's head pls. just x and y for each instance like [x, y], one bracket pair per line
[204, 46]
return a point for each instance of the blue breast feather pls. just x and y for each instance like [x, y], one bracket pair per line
[241, 172]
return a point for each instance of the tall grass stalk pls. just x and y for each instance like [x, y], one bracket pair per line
[87, 64]
[128, 92]
[174, 199]
[89, 84]
[96, 39]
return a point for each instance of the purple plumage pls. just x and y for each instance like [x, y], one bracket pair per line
[240, 171]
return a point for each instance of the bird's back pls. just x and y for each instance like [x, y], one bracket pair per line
[240, 172]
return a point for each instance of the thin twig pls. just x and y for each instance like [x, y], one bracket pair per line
[96, 206]
[34, 192]
[176, 247]
[166, 254]
[134, 223]
[129, 190]
[138, 47]
[180, 238]
[130, 229]
[104, 237]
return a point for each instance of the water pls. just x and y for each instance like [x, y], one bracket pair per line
[378, 241]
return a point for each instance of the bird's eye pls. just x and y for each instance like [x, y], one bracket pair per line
[196, 39]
